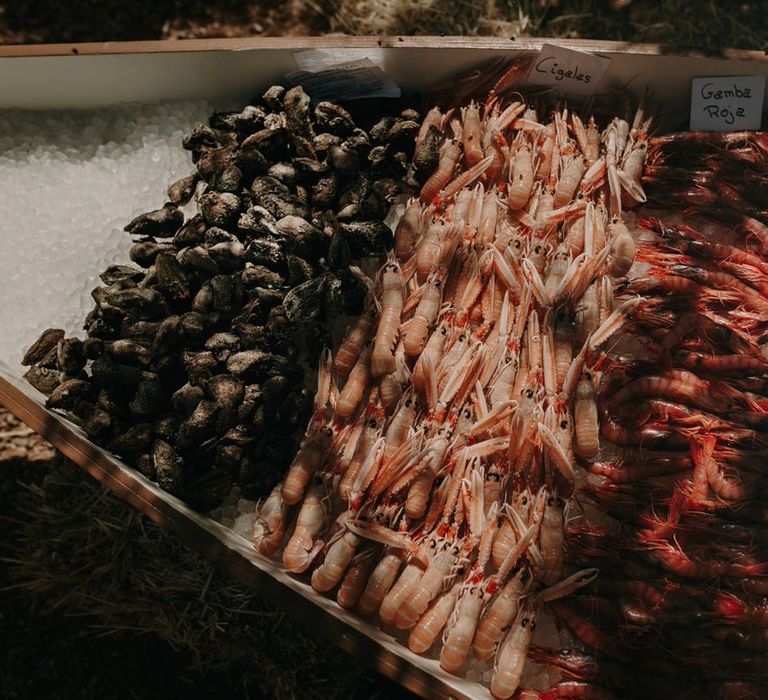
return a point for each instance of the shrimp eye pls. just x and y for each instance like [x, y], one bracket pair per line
[564, 425]
[443, 330]
[408, 403]
[462, 338]
[456, 551]
[441, 431]
[533, 625]
[379, 516]
[524, 500]
[537, 249]
[551, 501]
[371, 423]
[318, 480]
[525, 576]
[525, 622]
[447, 546]
[432, 544]
[528, 393]
[438, 283]
[328, 432]
[560, 502]
[472, 590]
[448, 433]
[467, 414]
[517, 244]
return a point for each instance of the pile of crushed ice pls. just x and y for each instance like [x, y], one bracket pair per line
[69, 182]
[237, 513]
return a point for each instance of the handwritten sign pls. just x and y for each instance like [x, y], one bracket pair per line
[729, 103]
[341, 75]
[570, 72]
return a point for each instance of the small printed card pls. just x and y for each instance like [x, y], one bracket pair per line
[727, 103]
[571, 72]
[341, 75]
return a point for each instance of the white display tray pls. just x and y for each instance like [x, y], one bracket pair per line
[85, 76]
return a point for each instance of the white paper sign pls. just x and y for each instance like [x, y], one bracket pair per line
[731, 103]
[341, 75]
[570, 72]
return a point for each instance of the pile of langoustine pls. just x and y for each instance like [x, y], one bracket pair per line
[431, 489]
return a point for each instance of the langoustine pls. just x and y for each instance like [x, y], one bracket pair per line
[516, 369]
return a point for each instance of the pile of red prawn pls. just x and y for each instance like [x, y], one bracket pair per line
[489, 390]
[681, 547]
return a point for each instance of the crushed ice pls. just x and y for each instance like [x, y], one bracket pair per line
[69, 182]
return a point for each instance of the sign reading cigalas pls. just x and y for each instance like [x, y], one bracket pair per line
[570, 72]
[728, 103]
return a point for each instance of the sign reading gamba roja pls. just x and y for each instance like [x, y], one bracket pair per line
[727, 103]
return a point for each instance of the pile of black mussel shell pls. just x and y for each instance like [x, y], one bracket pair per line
[192, 368]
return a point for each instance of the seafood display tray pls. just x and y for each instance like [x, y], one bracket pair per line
[225, 71]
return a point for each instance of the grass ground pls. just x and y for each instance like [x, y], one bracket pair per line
[99, 603]
[707, 24]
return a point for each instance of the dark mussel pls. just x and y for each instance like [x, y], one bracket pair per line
[191, 369]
